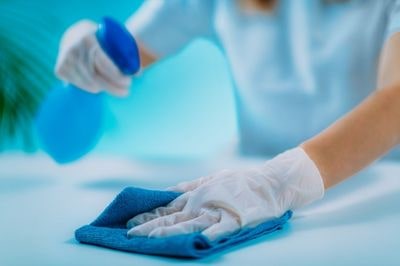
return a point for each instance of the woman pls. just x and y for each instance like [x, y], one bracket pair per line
[298, 66]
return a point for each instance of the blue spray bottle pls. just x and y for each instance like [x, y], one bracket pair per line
[70, 121]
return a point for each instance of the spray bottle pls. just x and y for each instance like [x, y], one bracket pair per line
[70, 120]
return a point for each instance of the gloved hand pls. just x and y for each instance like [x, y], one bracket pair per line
[82, 62]
[222, 203]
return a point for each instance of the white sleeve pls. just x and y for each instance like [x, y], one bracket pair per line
[165, 26]
[393, 25]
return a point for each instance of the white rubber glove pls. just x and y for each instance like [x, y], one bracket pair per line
[222, 203]
[82, 62]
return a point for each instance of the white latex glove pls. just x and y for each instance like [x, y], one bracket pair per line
[222, 203]
[82, 62]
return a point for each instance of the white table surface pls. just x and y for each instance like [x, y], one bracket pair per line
[41, 204]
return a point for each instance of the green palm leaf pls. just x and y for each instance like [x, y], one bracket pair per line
[28, 43]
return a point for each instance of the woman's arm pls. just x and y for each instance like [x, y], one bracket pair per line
[224, 202]
[162, 28]
[367, 132]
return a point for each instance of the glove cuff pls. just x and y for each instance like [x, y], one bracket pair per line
[300, 180]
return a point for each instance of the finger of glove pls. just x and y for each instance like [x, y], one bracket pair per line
[226, 226]
[196, 224]
[174, 207]
[75, 67]
[84, 80]
[66, 62]
[105, 85]
[80, 36]
[104, 67]
[164, 221]
[79, 75]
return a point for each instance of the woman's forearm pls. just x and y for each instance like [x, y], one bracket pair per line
[359, 138]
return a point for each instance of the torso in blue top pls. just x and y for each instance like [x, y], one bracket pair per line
[296, 70]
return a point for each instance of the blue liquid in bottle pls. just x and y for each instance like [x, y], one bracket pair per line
[70, 121]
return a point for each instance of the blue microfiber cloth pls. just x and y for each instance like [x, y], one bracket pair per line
[109, 229]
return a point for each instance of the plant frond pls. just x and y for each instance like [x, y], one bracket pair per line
[27, 50]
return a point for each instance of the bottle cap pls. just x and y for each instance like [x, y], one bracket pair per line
[119, 45]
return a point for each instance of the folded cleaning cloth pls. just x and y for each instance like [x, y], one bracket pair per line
[109, 229]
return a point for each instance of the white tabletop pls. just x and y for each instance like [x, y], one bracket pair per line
[41, 204]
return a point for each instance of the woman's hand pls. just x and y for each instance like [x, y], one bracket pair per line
[222, 203]
[82, 62]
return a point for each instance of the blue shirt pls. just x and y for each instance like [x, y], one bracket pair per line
[295, 70]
